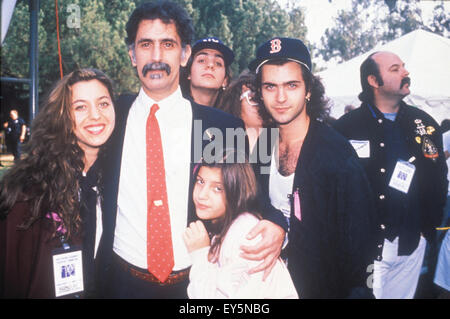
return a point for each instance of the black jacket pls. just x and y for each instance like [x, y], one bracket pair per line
[331, 248]
[421, 210]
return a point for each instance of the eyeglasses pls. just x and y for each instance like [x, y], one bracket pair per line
[248, 95]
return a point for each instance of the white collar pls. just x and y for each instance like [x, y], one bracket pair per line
[166, 104]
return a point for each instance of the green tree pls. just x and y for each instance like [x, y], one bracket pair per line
[96, 42]
[404, 16]
[358, 30]
[245, 24]
[441, 21]
[98, 39]
[348, 38]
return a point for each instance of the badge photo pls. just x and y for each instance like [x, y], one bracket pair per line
[67, 271]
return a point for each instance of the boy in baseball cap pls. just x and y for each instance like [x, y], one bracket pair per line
[315, 181]
[281, 48]
[208, 71]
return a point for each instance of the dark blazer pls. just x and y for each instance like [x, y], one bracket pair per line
[210, 117]
[331, 247]
[26, 269]
[421, 210]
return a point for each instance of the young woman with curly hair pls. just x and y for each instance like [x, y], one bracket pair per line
[50, 197]
[239, 99]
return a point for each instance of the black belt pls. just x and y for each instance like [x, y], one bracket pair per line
[143, 274]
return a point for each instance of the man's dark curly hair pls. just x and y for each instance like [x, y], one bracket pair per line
[168, 12]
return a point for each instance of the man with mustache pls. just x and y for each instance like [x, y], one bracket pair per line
[150, 162]
[400, 148]
[156, 66]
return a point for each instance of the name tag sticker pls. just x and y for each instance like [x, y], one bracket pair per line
[68, 273]
[362, 148]
[402, 176]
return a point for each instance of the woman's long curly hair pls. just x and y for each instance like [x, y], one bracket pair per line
[48, 175]
[231, 98]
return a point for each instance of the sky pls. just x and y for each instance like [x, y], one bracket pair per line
[320, 13]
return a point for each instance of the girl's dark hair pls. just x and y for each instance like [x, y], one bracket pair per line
[47, 177]
[231, 98]
[317, 108]
[240, 188]
[168, 12]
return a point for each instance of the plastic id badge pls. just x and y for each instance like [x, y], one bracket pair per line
[68, 272]
[402, 176]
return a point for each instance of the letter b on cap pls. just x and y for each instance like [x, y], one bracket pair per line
[275, 46]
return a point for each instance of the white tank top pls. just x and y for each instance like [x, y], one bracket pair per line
[279, 188]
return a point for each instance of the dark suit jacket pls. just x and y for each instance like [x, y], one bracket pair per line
[210, 117]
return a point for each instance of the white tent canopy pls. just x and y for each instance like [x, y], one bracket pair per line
[427, 58]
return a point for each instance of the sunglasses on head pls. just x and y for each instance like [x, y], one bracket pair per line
[246, 95]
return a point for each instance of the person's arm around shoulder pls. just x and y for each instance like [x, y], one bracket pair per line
[230, 279]
[248, 283]
[268, 249]
[210, 277]
[273, 228]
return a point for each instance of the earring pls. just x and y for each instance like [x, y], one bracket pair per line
[308, 99]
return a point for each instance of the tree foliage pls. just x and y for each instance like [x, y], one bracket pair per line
[98, 40]
[371, 22]
[348, 37]
[441, 21]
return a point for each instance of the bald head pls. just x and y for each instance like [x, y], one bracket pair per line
[394, 75]
[383, 75]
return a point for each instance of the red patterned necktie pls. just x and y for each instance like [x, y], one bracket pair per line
[159, 239]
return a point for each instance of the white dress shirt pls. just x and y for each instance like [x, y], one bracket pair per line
[175, 121]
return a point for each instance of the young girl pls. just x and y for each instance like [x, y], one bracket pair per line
[50, 198]
[225, 201]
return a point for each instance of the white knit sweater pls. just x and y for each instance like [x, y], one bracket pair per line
[228, 278]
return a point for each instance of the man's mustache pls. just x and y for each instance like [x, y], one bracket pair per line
[406, 80]
[156, 66]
